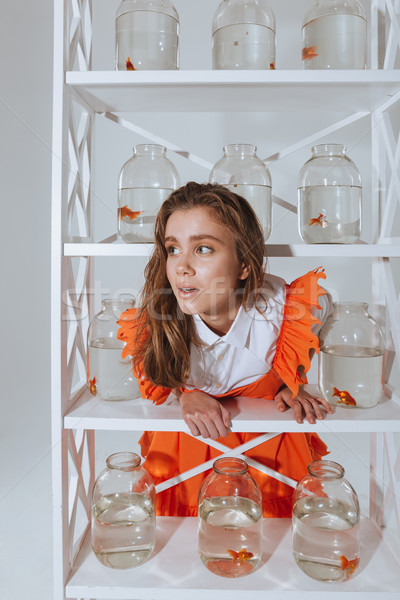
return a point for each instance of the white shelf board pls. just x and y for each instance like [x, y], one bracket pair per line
[222, 91]
[272, 250]
[248, 414]
[175, 570]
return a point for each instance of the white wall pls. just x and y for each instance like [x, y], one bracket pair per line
[25, 147]
[25, 166]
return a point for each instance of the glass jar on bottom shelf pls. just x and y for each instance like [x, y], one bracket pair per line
[230, 519]
[123, 513]
[325, 524]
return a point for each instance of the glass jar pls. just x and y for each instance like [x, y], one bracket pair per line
[147, 35]
[325, 523]
[241, 171]
[243, 35]
[230, 519]
[334, 35]
[329, 197]
[145, 181]
[351, 357]
[123, 513]
[109, 376]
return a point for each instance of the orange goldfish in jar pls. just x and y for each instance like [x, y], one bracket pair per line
[309, 52]
[92, 386]
[320, 220]
[125, 211]
[344, 397]
[241, 556]
[349, 565]
[129, 65]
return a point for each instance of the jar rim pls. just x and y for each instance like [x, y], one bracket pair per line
[241, 147]
[349, 305]
[328, 469]
[331, 149]
[230, 466]
[123, 461]
[149, 148]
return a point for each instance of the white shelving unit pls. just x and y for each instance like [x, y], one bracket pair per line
[80, 94]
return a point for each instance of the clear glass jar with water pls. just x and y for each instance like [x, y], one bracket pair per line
[243, 35]
[123, 513]
[325, 524]
[351, 358]
[241, 171]
[146, 35]
[145, 181]
[230, 519]
[334, 35]
[329, 197]
[109, 376]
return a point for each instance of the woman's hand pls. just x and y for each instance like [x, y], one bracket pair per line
[204, 415]
[304, 405]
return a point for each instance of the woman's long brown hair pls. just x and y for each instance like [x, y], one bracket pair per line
[164, 332]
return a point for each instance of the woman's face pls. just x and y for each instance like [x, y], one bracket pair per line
[202, 266]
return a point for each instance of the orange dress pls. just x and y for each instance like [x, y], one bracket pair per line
[169, 453]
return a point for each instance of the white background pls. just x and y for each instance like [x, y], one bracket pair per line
[25, 129]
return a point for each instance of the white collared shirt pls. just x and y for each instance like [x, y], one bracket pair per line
[247, 350]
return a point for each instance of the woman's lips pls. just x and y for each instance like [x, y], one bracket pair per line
[187, 291]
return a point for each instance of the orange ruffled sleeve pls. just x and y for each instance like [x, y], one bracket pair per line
[296, 338]
[127, 333]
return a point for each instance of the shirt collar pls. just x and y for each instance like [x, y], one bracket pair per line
[236, 336]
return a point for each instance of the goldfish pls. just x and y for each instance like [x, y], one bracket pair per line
[344, 397]
[129, 65]
[241, 556]
[127, 212]
[272, 66]
[92, 386]
[320, 220]
[309, 53]
[349, 565]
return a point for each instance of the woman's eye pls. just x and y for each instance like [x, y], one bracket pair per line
[172, 250]
[204, 249]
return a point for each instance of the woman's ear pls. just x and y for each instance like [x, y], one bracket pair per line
[245, 271]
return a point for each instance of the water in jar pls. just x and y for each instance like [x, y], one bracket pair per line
[325, 538]
[244, 46]
[230, 524]
[330, 214]
[137, 212]
[123, 530]
[148, 38]
[355, 371]
[335, 42]
[260, 199]
[113, 375]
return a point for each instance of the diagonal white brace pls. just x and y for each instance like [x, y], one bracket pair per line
[157, 140]
[207, 465]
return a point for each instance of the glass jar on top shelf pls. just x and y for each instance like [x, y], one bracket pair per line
[351, 359]
[147, 35]
[230, 519]
[243, 35]
[109, 377]
[334, 35]
[325, 523]
[241, 171]
[123, 513]
[329, 197]
[145, 181]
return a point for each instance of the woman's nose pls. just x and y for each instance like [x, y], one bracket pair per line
[183, 266]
